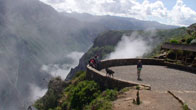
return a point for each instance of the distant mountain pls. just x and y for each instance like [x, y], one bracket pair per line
[118, 23]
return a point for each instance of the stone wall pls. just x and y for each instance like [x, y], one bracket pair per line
[123, 62]
[108, 82]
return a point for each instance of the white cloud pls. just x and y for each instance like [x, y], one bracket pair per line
[62, 70]
[36, 92]
[129, 48]
[133, 46]
[180, 14]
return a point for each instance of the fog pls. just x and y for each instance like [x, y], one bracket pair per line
[62, 70]
[135, 45]
[36, 92]
[36, 44]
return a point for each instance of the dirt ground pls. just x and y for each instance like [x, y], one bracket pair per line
[188, 97]
[150, 100]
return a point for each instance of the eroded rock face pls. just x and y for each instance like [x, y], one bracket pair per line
[191, 29]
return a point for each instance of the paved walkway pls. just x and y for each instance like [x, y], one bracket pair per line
[159, 77]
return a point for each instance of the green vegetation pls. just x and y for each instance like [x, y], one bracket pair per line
[102, 51]
[185, 107]
[138, 87]
[181, 36]
[80, 94]
[103, 101]
[83, 93]
[174, 41]
[180, 57]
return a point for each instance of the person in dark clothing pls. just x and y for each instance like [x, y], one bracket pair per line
[97, 62]
[92, 63]
[139, 68]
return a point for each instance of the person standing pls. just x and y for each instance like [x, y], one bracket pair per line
[139, 68]
[97, 62]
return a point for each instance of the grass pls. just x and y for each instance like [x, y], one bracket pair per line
[185, 107]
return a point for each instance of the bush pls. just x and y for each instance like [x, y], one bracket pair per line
[185, 107]
[83, 93]
[174, 41]
[110, 95]
[124, 90]
[80, 76]
[188, 41]
[138, 87]
[47, 102]
[103, 101]
[99, 104]
[50, 101]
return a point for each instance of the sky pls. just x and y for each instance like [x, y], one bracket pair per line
[173, 12]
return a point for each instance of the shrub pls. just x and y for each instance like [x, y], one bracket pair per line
[50, 101]
[99, 104]
[124, 90]
[174, 41]
[80, 76]
[138, 87]
[185, 107]
[110, 95]
[188, 41]
[58, 108]
[83, 93]
[103, 101]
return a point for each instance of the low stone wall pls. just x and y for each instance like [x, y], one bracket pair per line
[181, 67]
[107, 82]
[123, 62]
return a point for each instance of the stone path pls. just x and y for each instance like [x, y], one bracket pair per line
[159, 77]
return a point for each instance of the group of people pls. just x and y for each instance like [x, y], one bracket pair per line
[95, 62]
